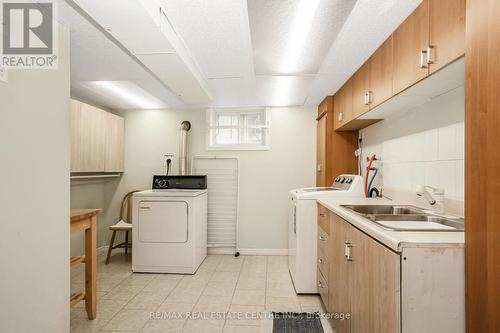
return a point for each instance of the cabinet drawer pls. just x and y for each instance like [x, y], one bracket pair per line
[324, 219]
[323, 263]
[323, 288]
[322, 242]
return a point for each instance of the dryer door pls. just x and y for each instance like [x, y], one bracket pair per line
[163, 221]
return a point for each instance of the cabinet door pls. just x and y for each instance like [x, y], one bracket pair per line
[381, 74]
[338, 277]
[343, 104]
[348, 108]
[87, 138]
[321, 151]
[338, 109]
[411, 40]
[374, 285]
[360, 89]
[447, 32]
[114, 156]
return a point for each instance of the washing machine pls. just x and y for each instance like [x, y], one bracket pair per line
[169, 225]
[303, 228]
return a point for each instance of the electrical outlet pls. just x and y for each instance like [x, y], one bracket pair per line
[4, 76]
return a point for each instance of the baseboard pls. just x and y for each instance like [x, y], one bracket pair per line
[248, 252]
[102, 250]
[220, 250]
[263, 252]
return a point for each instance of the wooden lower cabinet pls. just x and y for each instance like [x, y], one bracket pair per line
[374, 285]
[339, 299]
[323, 253]
[363, 282]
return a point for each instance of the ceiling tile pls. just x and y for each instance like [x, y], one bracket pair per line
[216, 32]
[275, 27]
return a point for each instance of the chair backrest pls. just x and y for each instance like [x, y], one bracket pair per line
[126, 207]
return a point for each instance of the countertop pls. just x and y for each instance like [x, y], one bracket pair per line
[395, 240]
[77, 214]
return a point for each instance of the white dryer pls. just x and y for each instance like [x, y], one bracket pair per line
[303, 228]
[169, 230]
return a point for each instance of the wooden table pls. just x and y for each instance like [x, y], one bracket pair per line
[85, 220]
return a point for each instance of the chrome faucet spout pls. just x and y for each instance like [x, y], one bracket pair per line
[435, 196]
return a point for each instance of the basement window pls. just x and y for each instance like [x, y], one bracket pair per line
[238, 129]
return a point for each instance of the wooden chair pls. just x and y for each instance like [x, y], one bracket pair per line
[124, 224]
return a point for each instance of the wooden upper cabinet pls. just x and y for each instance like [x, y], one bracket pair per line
[339, 115]
[411, 40]
[447, 32]
[381, 74]
[360, 90]
[87, 138]
[114, 145]
[342, 102]
[323, 107]
[97, 139]
[321, 133]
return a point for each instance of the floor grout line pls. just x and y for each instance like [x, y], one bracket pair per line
[198, 299]
[270, 266]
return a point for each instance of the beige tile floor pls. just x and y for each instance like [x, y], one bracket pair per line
[239, 287]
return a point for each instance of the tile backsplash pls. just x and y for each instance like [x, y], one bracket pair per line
[423, 146]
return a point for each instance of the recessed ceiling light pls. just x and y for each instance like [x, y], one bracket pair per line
[129, 92]
[299, 32]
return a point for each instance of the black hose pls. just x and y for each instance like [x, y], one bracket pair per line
[374, 189]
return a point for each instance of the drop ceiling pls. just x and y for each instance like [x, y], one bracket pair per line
[224, 53]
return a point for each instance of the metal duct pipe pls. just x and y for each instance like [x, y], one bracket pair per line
[185, 127]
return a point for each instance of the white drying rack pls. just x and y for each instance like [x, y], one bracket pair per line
[223, 186]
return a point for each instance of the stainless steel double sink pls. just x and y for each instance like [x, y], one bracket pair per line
[407, 218]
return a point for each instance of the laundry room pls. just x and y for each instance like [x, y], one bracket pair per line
[262, 209]
[250, 166]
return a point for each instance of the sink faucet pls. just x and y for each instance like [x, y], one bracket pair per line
[435, 196]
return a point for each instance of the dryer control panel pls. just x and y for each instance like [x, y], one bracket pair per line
[164, 182]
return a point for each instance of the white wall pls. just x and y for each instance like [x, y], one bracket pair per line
[265, 176]
[34, 198]
[421, 146]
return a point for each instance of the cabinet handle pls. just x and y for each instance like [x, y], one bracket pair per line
[340, 117]
[429, 54]
[323, 238]
[322, 214]
[320, 285]
[366, 98]
[321, 262]
[318, 168]
[423, 63]
[370, 98]
[347, 250]
[145, 207]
